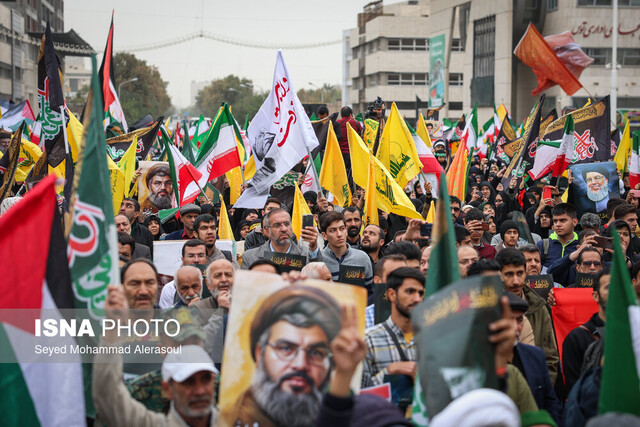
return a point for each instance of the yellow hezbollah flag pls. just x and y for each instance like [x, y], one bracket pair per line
[300, 207]
[370, 132]
[389, 195]
[234, 176]
[502, 112]
[225, 231]
[397, 151]
[431, 216]
[29, 155]
[117, 184]
[423, 132]
[74, 136]
[333, 174]
[370, 199]
[127, 165]
[622, 155]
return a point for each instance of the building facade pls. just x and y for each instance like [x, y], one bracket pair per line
[387, 55]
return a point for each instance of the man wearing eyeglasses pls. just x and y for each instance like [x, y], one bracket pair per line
[290, 340]
[277, 227]
[586, 259]
[158, 181]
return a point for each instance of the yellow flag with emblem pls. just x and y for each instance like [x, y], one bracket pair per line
[250, 168]
[127, 165]
[397, 151]
[29, 155]
[224, 230]
[423, 132]
[333, 174]
[370, 132]
[300, 207]
[117, 183]
[234, 176]
[389, 195]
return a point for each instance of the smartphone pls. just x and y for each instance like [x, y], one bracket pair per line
[307, 220]
[603, 242]
[546, 194]
[485, 225]
[425, 230]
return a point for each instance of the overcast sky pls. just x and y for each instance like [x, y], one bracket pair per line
[142, 22]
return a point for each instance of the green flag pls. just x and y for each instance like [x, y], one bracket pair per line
[92, 247]
[444, 256]
[620, 388]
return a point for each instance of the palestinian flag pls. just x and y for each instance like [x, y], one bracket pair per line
[113, 114]
[444, 254]
[620, 386]
[32, 251]
[51, 101]
[219, 150]
[118, 145]
[15, 115]
[634, 161]
[186, 178]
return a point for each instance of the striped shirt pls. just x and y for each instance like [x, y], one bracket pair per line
[382, 351]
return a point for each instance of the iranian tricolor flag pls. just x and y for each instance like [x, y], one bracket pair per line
[186, 178]
[634, 161]
[198, 131]
[470, 132]
[310, 183]
[36, 284]
[565, 152]
[429, 163]
[112, 108]
[219, 150]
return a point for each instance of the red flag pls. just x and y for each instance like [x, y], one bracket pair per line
[574, 306]
[551, 67]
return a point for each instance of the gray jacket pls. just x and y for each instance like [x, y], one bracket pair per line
[253, 255]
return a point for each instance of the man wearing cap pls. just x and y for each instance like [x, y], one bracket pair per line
[188, 215]
[147, 388]
[290, 338]
[530, 361]
[188, 381]
[277, 225]
[440, 153]
[509, 233]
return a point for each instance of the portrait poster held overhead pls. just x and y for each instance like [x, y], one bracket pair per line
[593, 185]
[155, 188]
[271, 322]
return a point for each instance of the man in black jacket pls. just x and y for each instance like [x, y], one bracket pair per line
[141, 234]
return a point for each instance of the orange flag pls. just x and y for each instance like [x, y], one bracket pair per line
[457, 174]
[536, 53]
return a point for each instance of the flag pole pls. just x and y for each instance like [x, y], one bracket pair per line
[313, 167]
[64, 131]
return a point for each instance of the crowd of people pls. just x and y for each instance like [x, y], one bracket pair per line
[510, 232]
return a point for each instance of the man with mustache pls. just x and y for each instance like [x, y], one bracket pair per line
[372, 242]
[597, 188]
[189, 285]
[391, 347]
[158, 181]
[290, 340]
[194, 252]
[353, 221]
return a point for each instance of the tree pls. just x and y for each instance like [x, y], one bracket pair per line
[236, 91]
[147, 95]
[330, 94]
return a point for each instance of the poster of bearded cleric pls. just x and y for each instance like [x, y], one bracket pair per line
[593, 185]
[155, 188]
[280, 356]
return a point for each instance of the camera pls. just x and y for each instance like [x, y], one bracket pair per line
[375, 110]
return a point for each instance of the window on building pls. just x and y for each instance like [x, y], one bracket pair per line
[407, 79]
[457, 46]
[552, 5]
[484, 46]
[602, 56]
[453, 105]
[629, 56]
[595, 3]
[407, 45]
[393, 79]
[455, 79]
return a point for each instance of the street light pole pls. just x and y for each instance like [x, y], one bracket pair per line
[135, 79]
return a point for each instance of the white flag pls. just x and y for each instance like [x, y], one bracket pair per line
[280, 135]
[309, 183]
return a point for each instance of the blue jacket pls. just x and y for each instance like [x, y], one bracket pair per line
[556, 249]
[537, 375]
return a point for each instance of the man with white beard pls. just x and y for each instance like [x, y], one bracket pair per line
[597, 188]
[290, 339]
